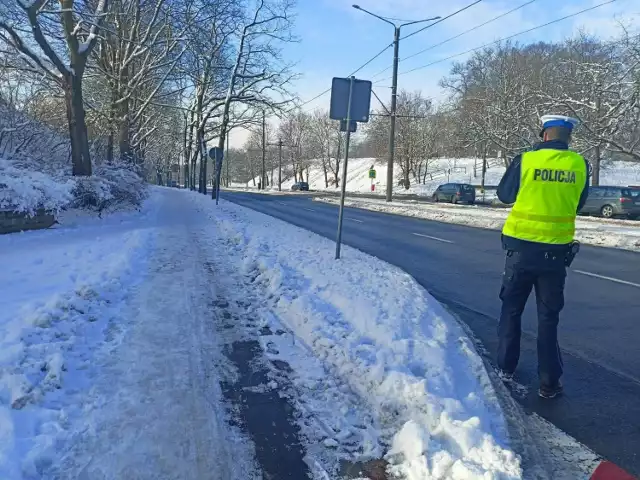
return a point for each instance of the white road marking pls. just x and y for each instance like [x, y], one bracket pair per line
[433, 238]
[309, 209]
[282, 203]
[354, 220]
[611, 279]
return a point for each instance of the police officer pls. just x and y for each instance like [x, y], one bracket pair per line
[547, 187]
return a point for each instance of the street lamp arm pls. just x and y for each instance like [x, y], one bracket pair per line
[358, 7]
[420, 21]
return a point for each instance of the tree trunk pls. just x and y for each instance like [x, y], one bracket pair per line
[110, 147]
[194, 165]
[124, 137]
[484, 170]
[595, 178]
[252, 171]
[295, 169]
[326, 174]
[124, 140]
[80, 153]
[407, 182]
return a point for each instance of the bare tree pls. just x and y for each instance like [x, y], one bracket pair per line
[241, 71]
[65, 32]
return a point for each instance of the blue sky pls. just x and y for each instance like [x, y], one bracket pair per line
[335, 38]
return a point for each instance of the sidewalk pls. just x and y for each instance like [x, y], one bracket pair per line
[156, 409]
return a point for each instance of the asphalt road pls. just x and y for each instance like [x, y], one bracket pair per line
[462, 267]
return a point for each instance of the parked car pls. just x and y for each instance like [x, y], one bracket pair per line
[611, 202]
[300, 187]
[455, 193]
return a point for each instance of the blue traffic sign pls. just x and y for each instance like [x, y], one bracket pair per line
[360, 99]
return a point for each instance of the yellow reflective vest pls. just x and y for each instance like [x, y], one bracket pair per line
[551, 182]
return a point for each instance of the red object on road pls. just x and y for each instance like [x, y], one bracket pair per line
[608, 471]
[373, 187]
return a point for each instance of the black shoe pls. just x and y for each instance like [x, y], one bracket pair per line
[550, 391]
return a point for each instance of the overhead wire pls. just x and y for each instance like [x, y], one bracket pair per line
[351, 74]
[503, 39]
[442, 19]
[461, 53]
[324, 92]
[529, 2]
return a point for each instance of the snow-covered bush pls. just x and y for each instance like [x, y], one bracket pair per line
[35, 172]
[25, 188]
[111, 187]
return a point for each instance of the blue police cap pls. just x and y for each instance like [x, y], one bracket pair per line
[558, 121]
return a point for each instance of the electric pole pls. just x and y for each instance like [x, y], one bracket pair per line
[394, 90]
[280, 144]
[394, 102]
[264, 150]
[280, 165]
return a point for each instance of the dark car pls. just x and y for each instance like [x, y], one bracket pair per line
[300, 187]
[455, 193]
[611, 202]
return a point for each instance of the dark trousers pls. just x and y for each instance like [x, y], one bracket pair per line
[546, 274]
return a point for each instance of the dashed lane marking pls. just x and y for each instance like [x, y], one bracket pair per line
[611, 279]
[433, 238]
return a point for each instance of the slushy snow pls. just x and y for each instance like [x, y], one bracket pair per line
[386, 338]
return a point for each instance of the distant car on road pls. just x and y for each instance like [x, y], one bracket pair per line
[300, 187]
[455, 193]
[610, 202]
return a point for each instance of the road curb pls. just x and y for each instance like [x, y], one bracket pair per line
[609, 471]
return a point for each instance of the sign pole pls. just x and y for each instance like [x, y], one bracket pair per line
[344, 171]
[280, 165]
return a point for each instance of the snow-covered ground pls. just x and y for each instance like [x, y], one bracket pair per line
[100, 356]
[114, 354]
[62, 295]
[443, 170]
[593, 231]
[387, 340]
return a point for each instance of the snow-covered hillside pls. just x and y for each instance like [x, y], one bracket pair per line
[463, 170]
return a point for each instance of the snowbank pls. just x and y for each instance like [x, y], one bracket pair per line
[592, 231]
[386, 338]
[441, 170]
[27, 189]
[61, 296]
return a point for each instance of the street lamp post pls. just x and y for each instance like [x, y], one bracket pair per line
[394, 91]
